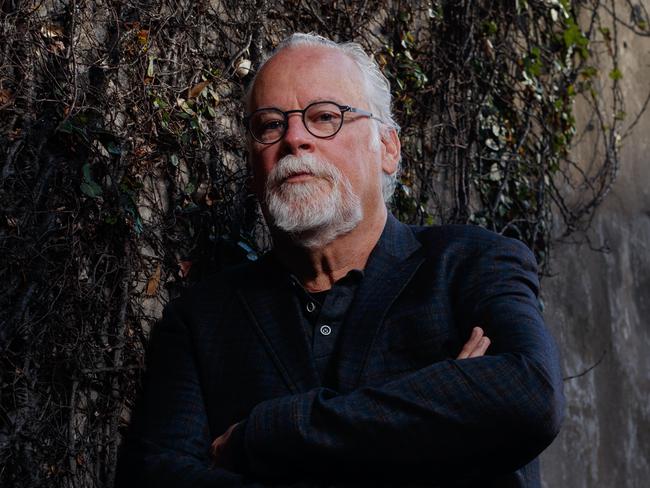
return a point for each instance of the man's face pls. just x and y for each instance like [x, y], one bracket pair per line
[286, 177]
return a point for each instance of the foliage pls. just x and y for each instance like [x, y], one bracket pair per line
[124, 179]
[486, 95]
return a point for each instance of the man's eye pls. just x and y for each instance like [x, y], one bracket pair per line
[270, 125]
[325, 117]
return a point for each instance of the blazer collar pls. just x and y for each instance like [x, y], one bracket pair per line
[390, 268]
[269, 303]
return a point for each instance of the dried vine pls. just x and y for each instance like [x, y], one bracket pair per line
[123, 169]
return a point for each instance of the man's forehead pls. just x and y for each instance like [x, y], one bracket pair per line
[301, 54]
[313, 72]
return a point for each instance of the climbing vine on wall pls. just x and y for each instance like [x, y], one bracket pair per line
[487, 95]
[124, 179]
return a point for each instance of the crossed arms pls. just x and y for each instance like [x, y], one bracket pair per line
[479, 416]
[225, 455]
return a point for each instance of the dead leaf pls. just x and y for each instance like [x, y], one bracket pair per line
[57, 47]
[52, 31]
[154, 281]
[142, 151]
[150, 67]
[5, 96]
[143, 36]
[184, 268]
[196, 90]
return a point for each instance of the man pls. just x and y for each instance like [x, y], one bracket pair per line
[349, 355]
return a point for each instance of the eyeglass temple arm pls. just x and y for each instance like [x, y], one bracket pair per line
[365, 113]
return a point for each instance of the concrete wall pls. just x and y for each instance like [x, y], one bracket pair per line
[598, 306]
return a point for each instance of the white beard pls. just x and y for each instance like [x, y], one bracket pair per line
[316, 211]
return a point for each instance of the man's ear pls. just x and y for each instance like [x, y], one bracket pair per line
[391, 150]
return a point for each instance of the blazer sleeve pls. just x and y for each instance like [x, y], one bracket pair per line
[450, 420]
[169, 439]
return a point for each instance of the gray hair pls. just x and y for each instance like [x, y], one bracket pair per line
[377, 87]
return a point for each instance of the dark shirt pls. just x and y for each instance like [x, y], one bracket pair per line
[322, 315]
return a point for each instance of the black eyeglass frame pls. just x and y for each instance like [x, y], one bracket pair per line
[285, 116]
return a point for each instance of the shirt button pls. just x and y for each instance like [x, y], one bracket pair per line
[311, 306]
[325, 330]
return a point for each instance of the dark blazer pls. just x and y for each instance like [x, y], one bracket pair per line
[401, 410]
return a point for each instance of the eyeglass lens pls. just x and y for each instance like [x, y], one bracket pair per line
[322, 119]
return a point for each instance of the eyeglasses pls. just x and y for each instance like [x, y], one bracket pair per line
[321, 119]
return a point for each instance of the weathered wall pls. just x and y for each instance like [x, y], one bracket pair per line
[598, 306]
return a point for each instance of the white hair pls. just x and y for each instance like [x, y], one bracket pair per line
[313, 213]
[377, 87]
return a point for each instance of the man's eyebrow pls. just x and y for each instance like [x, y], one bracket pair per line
[309, 102]
[324, 99]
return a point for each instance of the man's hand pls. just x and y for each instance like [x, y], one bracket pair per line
[476, 346]
[220, 452]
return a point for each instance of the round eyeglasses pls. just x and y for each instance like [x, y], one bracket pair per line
[321, 119]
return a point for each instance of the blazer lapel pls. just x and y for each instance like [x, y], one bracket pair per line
[268, 300]
[390, 267]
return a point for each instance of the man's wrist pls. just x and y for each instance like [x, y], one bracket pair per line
[237, 448]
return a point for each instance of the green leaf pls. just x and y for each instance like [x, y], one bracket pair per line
[490, 27]
[589, 72]
[615, 74]
[112, 148]
[86, 172]
[573, 36]
[137, 225]
[91, 189]
[160, 103]
[110, 219]
[88, 185]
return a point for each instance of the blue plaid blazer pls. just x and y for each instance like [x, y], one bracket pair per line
[402, 410]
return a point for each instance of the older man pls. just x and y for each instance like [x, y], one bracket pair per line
[350, 354]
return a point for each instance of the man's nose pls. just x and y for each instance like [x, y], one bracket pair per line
[297, 138]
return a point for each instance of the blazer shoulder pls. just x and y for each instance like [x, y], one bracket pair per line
[218, 287]
[467, 239]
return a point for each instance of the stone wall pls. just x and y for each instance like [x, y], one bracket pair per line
[598, 306]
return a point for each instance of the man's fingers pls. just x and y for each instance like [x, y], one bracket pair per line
[476, 345]
[480, 349]
[471, 343]
[219, 444]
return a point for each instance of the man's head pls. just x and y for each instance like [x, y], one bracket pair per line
[319, 173]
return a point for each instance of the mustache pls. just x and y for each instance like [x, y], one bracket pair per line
[291, 165]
